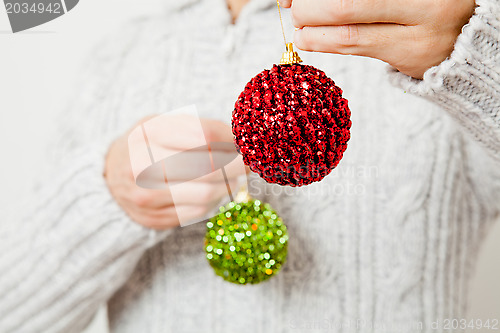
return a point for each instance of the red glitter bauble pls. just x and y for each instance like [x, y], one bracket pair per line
[291, 124]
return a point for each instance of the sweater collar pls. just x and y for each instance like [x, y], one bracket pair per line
[251, 6]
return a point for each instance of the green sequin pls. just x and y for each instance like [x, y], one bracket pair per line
[246, 256]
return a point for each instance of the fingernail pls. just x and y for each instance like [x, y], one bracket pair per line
[297, 37]
[285, 3]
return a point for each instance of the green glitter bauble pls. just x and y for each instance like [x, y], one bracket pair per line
[246, 242]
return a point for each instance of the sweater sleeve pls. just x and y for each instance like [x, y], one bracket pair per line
[467, 84]
[72, 246]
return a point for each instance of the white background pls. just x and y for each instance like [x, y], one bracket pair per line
[37, 73]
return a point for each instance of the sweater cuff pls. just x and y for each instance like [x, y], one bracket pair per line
[467, 84]
[148, 237]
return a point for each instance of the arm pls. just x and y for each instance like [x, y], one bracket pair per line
[446, 51]
[73, 246]
[467, 84]
[89, 223]
[70, 252]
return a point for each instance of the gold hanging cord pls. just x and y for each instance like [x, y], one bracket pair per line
[289, 57]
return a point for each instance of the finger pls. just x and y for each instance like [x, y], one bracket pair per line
[285, 3]
[195, 164]
[184, 132]
[341, 12]
[184, 193]
[184, 196]
[196, 193]
[176, 131]
[195, 136]
[166, 221]
[176, 164]
[232, 170]
[170, 217]
[387, 42]
[162, 212]
[216, 131]
[145, 199]
[191, 166]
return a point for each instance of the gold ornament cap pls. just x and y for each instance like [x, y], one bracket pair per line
[290, 57]
[243, 195]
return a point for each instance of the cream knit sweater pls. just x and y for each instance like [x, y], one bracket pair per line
[385, 243]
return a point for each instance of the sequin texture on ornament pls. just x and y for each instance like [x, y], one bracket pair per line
[246, 242]
[291, 124]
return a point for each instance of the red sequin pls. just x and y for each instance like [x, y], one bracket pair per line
[291, 124]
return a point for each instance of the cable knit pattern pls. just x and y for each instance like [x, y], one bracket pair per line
[385, 243]
[55, 262]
